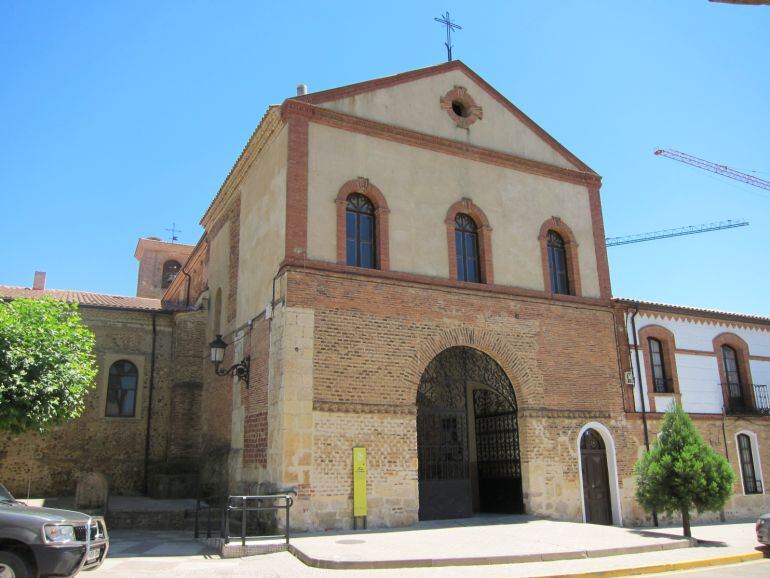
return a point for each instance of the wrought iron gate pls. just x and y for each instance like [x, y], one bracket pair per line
[442, 436]
[497, 454]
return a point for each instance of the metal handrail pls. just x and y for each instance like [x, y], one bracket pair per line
[206, 504]
[244, 509]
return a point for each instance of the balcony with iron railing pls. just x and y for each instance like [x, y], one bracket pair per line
[662, 385]
[747, 399]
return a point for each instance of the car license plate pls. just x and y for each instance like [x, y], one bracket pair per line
[93, 555]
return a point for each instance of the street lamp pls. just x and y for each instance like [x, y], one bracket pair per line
[240, 370]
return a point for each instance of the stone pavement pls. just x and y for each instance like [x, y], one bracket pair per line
[474, 541]
[139, 554]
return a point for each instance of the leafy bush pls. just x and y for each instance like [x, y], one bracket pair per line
[46, 364]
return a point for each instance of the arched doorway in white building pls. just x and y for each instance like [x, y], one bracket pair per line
[467, 437]
[598, 475]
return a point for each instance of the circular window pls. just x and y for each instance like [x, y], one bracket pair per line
[461, 107]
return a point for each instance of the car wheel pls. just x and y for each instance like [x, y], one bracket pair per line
[13, 566]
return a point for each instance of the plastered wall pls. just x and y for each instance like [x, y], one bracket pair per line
[263, 226]
[415, 105]
[420, 186]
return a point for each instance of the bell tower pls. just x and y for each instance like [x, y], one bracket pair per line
[159, 264]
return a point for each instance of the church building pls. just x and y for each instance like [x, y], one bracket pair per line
[413, 266]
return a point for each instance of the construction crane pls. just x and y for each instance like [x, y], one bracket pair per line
[666, 233]
[723, 170]
[713, 167]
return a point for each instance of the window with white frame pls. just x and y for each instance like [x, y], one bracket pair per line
[751, 469]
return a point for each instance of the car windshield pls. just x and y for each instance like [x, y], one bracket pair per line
[5, 495]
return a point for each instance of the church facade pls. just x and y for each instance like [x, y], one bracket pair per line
[410, 265]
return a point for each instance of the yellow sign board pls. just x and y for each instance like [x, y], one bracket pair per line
[359, 482]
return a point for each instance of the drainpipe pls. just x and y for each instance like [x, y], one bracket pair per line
[639, 376]
[149, 405]
[641, 392]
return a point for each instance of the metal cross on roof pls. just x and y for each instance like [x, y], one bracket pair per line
[446, 21]
[173, 230]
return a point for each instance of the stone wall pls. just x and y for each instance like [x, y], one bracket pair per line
[115, 446]
[51, 464]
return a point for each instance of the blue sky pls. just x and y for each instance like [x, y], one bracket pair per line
[118, 118]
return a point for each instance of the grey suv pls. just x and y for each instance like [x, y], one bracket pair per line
[48, 542]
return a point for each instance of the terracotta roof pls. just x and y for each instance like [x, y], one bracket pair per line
[83, 298]
[693, 310]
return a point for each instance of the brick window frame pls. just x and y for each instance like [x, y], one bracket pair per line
[742, 357]
[459, 95]
[668, 344]
[364, 187]
[570, 247]
[484, 231]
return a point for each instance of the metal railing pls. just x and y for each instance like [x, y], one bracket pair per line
[210, 511]
[220, 516]
[747, 399]
[663, 385]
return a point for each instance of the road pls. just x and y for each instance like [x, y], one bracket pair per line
[759, 569]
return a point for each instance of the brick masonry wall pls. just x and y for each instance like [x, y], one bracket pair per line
[254, 398]
[740, 506]
[371, 342]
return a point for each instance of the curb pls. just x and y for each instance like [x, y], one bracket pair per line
[667, 567]
[352, 564]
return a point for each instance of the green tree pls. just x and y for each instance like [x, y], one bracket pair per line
[681, 472]
[47, 364]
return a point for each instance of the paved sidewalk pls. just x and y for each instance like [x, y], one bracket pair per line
[475, 541]
[141, 554]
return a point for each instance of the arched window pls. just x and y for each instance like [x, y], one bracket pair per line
[733, 375]
[170, 271]
[557, 263]
[360, 233]
[751, 485]
[661, 382]
[121, 389]
[467, 249]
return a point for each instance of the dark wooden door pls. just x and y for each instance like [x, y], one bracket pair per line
[596, 483]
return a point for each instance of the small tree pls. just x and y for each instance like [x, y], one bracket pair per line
[681, 472]
[46, 364]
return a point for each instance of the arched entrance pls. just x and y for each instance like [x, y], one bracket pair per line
[596, 482]
[467, 437]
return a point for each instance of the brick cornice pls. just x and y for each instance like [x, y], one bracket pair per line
[267, 129]
[683, 313]
[375, 276]
[412, 75]
[364, 408]
[294, 108]
[548, 412]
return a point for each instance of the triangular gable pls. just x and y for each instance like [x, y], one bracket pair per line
[411, 100]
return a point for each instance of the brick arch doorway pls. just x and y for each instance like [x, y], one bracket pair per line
[467, 437]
